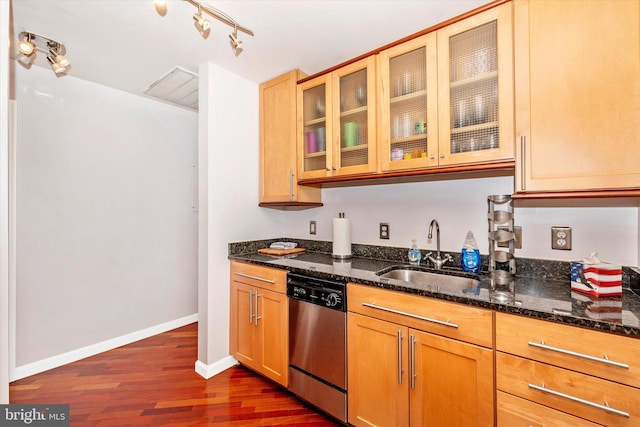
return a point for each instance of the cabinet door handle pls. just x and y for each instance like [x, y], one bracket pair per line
[442, 155]
[604, 407]
[248, 276]
[399, 356]
[523, 161]
[604, 360]
[291, 185]
[413, 361]
[415, 316]
[250, 306]
[257, 295]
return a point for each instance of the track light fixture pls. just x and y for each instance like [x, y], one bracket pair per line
[203, 26]
[29, 43]
[235, 43]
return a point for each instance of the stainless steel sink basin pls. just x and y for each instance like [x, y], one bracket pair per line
[434, 280]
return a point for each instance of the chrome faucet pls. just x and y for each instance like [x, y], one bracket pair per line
[438, 261]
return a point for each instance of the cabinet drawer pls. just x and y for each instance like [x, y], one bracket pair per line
[516, 412]
[457, 321]
[259, 276]
[595, 399]
[595, 353]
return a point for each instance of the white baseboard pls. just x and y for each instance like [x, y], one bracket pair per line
[208, 371]
[91, 350]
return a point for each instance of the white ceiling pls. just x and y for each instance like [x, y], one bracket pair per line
[127, 45]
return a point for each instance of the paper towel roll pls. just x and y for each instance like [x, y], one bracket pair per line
[341, 238]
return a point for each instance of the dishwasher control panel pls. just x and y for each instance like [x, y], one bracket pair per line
[322, 292]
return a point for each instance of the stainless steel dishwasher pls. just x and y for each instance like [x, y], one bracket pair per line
[318, 343]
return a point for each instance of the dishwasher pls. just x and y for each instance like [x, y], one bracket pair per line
[318, 343]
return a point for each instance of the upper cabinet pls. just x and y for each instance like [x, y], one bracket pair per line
[408, 120]
[446, 98]
[475, 82]
[278, 174]
[577, 95]
[337, 122]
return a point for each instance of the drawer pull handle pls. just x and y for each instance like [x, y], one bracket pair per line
[248, 276]
[604, 360]
[604, 407]
[415, 316]
[399, 356]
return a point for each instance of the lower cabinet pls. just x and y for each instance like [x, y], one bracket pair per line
[580, 376]
[401, 375]
[516, 412]
[260, 320]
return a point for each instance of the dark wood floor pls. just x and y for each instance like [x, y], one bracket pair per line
[153, 382]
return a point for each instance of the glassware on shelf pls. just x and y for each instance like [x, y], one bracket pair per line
[361, 96]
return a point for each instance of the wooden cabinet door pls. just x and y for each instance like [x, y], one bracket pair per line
[244, 336]
[273, 324]
[577, 94]
[475, 88]
[278, 174]
[377, 372]
[453, 383]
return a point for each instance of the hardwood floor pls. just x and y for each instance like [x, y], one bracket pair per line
[153, 382]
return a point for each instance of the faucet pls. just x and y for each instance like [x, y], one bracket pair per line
[438, 261]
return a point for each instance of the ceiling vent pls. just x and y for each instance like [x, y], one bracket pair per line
[177, 87]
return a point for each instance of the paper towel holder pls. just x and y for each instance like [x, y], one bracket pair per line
[342, 246]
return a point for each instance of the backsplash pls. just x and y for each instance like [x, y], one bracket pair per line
[525, 267]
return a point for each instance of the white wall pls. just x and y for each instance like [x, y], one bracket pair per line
[4, 202]
[461, 205]
[106, 234]
[229, 212]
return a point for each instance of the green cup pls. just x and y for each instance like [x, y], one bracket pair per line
[350, 134]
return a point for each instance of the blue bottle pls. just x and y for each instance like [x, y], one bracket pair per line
[470, 255]
[414, 254]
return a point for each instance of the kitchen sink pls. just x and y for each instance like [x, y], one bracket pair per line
[435, 280]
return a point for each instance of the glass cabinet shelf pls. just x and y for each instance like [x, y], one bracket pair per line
[315, 121]
[408, 97]
[475, 128]
[316, 154]
[408, 139]
[475, 79]
[354, 148]
[354, 111]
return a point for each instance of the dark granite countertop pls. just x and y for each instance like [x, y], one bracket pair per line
[545, 299]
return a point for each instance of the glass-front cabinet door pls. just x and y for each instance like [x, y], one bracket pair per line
[475, 71]
[408, 130]
[337, 122]
[314, 129]
[354, 107]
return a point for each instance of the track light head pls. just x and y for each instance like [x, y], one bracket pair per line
[25, 46]
[57, 68]
[202, 24]
[161, 7]
[60, 59]
[235, 43]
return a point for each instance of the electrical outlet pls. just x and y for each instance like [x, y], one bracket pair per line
[517, 244]
[312, 227]
[384, 230]
[561, 238]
